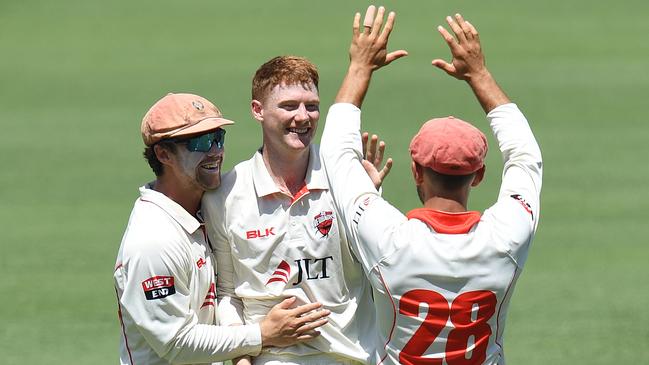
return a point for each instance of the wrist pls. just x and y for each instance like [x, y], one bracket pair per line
[479, 77]
[361, 70]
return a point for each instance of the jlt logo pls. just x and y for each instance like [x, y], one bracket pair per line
[312, 269]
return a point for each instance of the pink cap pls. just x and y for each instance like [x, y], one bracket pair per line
[449, 146]
[178, 115]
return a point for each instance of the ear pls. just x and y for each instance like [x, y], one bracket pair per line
[479, 175]
[257, 110]
[417, 173]
[163, 155]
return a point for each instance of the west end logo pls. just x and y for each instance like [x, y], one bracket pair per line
[323, 222]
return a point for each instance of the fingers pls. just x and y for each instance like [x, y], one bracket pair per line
[371, 149]
[286, 303]
[378, 21]
[445, 66]
[369, 18]
[459, 33]
[318, 317]
[364, 137]
[448, 38]
[379, 154]
[473, 31]
[389, 24]
[356, 25]
[386, 169]
[464, 26]
[395, 55]
[311, 326]
[305, 308]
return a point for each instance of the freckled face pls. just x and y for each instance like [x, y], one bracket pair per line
[289, 116]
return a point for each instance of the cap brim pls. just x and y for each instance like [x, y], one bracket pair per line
[205, 125]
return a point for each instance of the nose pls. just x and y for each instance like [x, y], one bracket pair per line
[302, 114]
[215, 150]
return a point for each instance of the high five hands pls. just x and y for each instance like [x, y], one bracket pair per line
[468, 60]
[369, 47]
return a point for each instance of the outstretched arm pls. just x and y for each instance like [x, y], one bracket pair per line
[367, 53]
[468, 63]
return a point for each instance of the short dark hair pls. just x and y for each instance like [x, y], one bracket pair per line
[289, 70]
[449, 182]
[152, 159]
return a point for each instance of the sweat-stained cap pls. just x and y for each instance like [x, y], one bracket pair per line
[177, 115]
[449, 146]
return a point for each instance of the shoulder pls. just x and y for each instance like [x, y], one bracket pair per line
[150, 229]
[509, 220]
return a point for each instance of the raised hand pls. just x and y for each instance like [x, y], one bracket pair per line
[369, 48]
[468, 63]
[468, 59]
[373, 152]
[367, 53]
[285, 326]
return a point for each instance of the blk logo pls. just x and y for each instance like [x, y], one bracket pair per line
[258, 233]
[200, 263]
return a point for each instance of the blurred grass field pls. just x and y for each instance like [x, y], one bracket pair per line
[77, 76]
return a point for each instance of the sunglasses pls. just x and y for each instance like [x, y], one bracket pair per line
[204, 142]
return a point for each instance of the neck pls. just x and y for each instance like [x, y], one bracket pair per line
[445, 204]
[288, 170]
[190, 199]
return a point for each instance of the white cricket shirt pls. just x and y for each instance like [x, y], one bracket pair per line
[270, 246]
[442, 282]
[165, 284]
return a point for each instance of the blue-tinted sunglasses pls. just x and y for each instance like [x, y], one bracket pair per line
[204, 142]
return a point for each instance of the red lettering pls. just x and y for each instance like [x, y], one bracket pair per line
[158, 282]
[200, 263]
[257, 233]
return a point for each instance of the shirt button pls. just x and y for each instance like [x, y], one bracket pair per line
[293, 223]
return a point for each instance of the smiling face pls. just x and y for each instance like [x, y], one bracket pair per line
[289, 117]
[199, 170]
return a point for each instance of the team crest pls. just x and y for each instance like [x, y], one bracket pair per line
[323, 222]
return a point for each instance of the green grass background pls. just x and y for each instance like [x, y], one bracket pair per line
[76, 76]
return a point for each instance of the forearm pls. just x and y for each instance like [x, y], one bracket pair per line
[209, 343]
[354, 85]
[486, 90]
[523, 164]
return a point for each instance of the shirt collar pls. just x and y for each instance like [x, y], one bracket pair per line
[173, 209]
[445, 222]
[315, 175]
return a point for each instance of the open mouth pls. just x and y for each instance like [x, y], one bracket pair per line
[211, 165]
[299, 130]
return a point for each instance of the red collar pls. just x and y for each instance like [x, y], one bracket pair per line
[444, 222]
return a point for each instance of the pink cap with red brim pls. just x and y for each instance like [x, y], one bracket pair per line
[449, 146]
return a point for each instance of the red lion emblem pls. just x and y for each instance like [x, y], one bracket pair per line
[323, 222]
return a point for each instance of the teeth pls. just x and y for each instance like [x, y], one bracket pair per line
[212, 165]
[298, 130]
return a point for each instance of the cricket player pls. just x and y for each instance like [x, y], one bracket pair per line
[442, 275]
[165, 273]
[277, 233]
